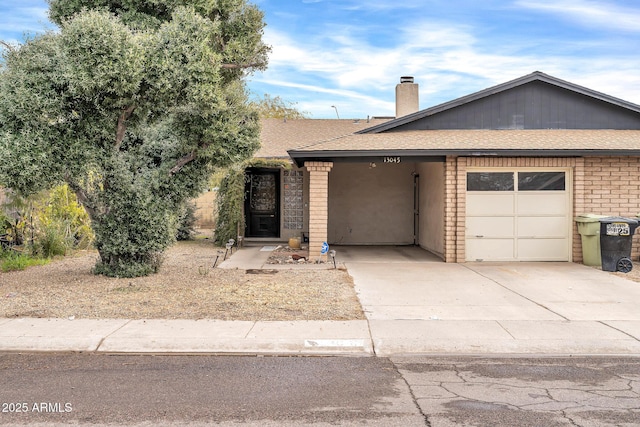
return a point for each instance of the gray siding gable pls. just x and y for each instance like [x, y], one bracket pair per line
[536, 101]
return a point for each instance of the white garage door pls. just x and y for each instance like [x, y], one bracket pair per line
[518, 215]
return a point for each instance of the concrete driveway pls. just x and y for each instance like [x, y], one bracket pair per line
[418, 304]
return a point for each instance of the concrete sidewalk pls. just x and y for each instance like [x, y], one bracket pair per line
[413, 303]
[186, 336]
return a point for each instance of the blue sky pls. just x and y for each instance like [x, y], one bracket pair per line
[351, 53]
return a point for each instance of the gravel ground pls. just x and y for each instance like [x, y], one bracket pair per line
[185, 288]
[634, 274]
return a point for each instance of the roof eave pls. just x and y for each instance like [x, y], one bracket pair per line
[301, 156]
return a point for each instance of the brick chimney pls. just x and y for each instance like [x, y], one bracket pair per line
[406, 97]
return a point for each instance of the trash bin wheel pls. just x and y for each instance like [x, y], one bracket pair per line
[625, 265]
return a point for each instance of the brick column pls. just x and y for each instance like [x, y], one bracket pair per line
[451, 221]
[461, 209]
[318, 205]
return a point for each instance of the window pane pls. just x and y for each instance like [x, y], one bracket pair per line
[541, 181]
[490, 181]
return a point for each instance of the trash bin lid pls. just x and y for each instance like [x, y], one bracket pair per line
[589, 217]
[611, 219]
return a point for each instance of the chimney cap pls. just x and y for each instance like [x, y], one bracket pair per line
[406, 79]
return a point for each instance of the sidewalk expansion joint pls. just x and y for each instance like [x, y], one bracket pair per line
[250, 329]
[373, 342]
[505, 329]
[514, 292]
[604, 322]
[111, 333]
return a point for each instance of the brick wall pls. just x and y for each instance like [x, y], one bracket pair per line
[601, 185]
[611, 186]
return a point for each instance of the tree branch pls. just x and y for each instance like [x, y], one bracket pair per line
[122, 124]
[237, 66]
[8, 46]
[82, 197]
[182, 161]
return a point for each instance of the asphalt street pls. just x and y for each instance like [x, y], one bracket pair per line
[90, 389]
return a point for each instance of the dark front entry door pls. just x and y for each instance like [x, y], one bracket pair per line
[262, 203]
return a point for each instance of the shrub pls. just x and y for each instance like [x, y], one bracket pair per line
[14, 228]
[131, 235]
[186, 221]
[130, 266]
[230, 201]
[51, 241]
[63, 222]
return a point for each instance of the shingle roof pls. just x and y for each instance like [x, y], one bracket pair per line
[278, 135]
[333, 139]
[438, 143]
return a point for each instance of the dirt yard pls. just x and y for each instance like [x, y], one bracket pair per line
[187, 287]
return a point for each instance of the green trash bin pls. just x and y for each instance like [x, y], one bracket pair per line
[589, 230]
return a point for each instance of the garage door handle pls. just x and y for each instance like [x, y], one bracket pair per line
[479, 235]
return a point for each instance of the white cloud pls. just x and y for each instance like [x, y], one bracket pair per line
[350, 61]
[448, 59]
[382, 5]
[598, 14]
[350, 103]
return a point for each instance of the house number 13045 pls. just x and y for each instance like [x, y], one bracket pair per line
[396, 159]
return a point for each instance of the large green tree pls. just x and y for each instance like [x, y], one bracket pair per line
[131, 103]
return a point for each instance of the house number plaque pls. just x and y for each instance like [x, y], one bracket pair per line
[392, 159]
[618, 229]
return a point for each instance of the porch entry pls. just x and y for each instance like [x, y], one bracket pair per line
[262, 202]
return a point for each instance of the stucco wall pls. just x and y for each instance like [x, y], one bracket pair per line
[371, 205]
[431, 207]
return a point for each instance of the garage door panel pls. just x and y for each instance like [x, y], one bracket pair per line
[544, 203]
[491, 226]
[490, 204]
[540, 226]
[527, 222]
[542, 249]
[490, 249]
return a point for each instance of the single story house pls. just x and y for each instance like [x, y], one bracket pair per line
[497, 175]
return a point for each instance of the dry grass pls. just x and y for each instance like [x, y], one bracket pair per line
[186, 288]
